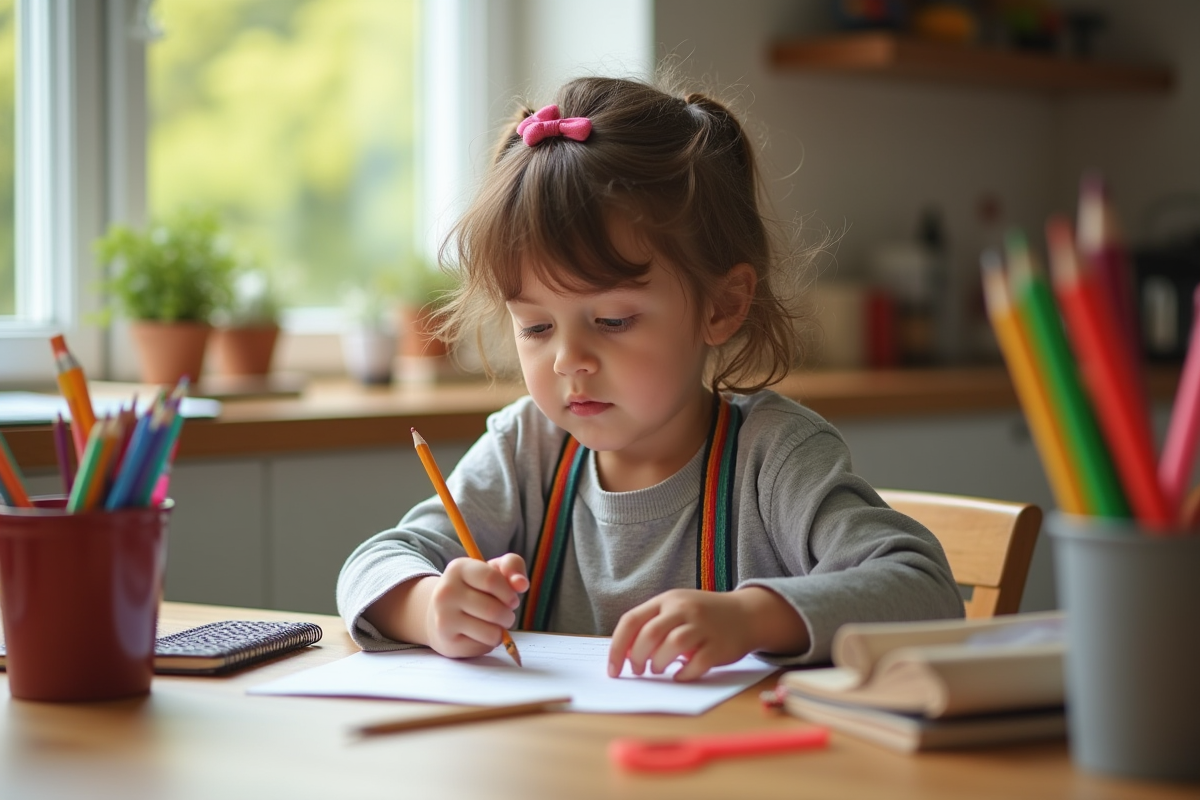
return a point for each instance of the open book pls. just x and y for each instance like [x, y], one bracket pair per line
[939, 684]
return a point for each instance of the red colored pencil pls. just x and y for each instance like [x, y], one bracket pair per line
[1111, 378]
[1103, 255]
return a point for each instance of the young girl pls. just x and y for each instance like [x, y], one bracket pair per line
[649, 487]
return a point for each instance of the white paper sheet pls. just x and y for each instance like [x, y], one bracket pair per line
[555, 666]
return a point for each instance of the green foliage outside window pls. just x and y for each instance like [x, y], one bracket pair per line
[295, 119]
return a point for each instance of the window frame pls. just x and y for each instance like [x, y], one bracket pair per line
[93, 170]
[57, 201]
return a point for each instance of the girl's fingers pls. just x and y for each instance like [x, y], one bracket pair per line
[486, 608]
[650, 639]
[484, 577]
[626, 633]
[512, 567]
[697, 664]
[679, 642]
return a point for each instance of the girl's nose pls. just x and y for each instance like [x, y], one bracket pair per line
[574, 357]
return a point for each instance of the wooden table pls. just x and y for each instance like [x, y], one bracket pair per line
[205, 738]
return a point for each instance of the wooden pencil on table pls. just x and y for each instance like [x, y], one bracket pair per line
[456, 518]
[458, 717]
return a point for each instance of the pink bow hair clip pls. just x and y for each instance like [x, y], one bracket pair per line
[547, 122]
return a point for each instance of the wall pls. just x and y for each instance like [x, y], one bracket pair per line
[1146, 146]
[864, 156]
[859, 155]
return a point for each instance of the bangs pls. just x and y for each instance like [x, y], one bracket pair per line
[556, 222]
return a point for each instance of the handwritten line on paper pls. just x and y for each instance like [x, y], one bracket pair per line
[555, 666]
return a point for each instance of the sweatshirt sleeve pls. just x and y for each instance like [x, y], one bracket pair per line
[851, 557]
[484, 485]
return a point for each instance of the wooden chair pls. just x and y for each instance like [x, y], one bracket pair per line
[989, 543]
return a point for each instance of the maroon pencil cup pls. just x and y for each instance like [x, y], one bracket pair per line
[80, 595]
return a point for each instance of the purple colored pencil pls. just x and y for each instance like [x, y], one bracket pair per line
[64, 451]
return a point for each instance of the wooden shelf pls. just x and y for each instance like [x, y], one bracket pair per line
[887, 54]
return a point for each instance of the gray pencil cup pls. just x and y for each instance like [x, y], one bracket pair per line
[1133, 644]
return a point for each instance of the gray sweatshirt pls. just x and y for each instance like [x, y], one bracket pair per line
[805, 526]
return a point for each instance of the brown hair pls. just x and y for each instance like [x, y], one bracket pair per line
[680, 169]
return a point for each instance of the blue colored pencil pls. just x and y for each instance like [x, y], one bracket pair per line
[128, 470]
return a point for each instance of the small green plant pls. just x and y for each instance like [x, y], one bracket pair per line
[252, 302]
[371, 307]
[423, 285]
[177, 270]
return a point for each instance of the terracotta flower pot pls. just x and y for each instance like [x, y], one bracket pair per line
[169, 350]
[416, 335]
[244, 350]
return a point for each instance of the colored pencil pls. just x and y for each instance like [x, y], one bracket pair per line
[158, 491]
[1111, 378]
[456, 518]
[459, 717]
[1030, 387]
[96, 467]
[73, 384]
[1087, 454]
[1102, 252]
[64, 453]
[135, 453]
[10, 475]
[1179, 448]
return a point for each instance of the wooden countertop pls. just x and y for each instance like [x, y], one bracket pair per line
[340, 414]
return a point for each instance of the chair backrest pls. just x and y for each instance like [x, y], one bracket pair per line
[989, 543]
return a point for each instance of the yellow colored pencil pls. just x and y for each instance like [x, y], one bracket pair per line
[456, 518]
[1030, 388]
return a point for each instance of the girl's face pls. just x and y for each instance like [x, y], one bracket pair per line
[620, 370]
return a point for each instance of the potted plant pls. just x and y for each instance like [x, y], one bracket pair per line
[369, 339]
[423, 291]
[247, 328]
[169, 278]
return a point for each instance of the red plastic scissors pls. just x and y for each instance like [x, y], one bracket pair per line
[660, 755]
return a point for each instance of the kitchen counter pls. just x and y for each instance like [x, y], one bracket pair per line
[340, 414]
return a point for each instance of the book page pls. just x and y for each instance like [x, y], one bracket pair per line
[555, 666]
[860, 646]
[1018, 670]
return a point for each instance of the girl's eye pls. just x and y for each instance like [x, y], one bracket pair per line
[611, 325]
[534, 331]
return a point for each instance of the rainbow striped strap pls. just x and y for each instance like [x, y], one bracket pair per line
[556, 530]
[714, 541]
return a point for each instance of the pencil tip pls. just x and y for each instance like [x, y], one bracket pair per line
[511, 647]
[418, 439]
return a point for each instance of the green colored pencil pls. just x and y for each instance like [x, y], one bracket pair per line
[1086, 450]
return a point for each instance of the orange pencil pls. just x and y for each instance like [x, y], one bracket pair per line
[73, 385]
[456, 517]
[1111, 377]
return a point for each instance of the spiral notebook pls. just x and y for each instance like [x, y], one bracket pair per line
[221, 647]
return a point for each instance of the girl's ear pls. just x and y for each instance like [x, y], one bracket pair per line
[728, 309]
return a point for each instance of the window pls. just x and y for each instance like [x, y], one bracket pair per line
[296, 121]
[8, 146]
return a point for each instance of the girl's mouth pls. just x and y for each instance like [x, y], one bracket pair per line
[587, 408]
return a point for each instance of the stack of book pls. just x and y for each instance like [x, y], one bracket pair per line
[939, 685]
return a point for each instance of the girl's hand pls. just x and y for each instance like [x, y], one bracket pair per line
[705, 629]
[473, 603]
